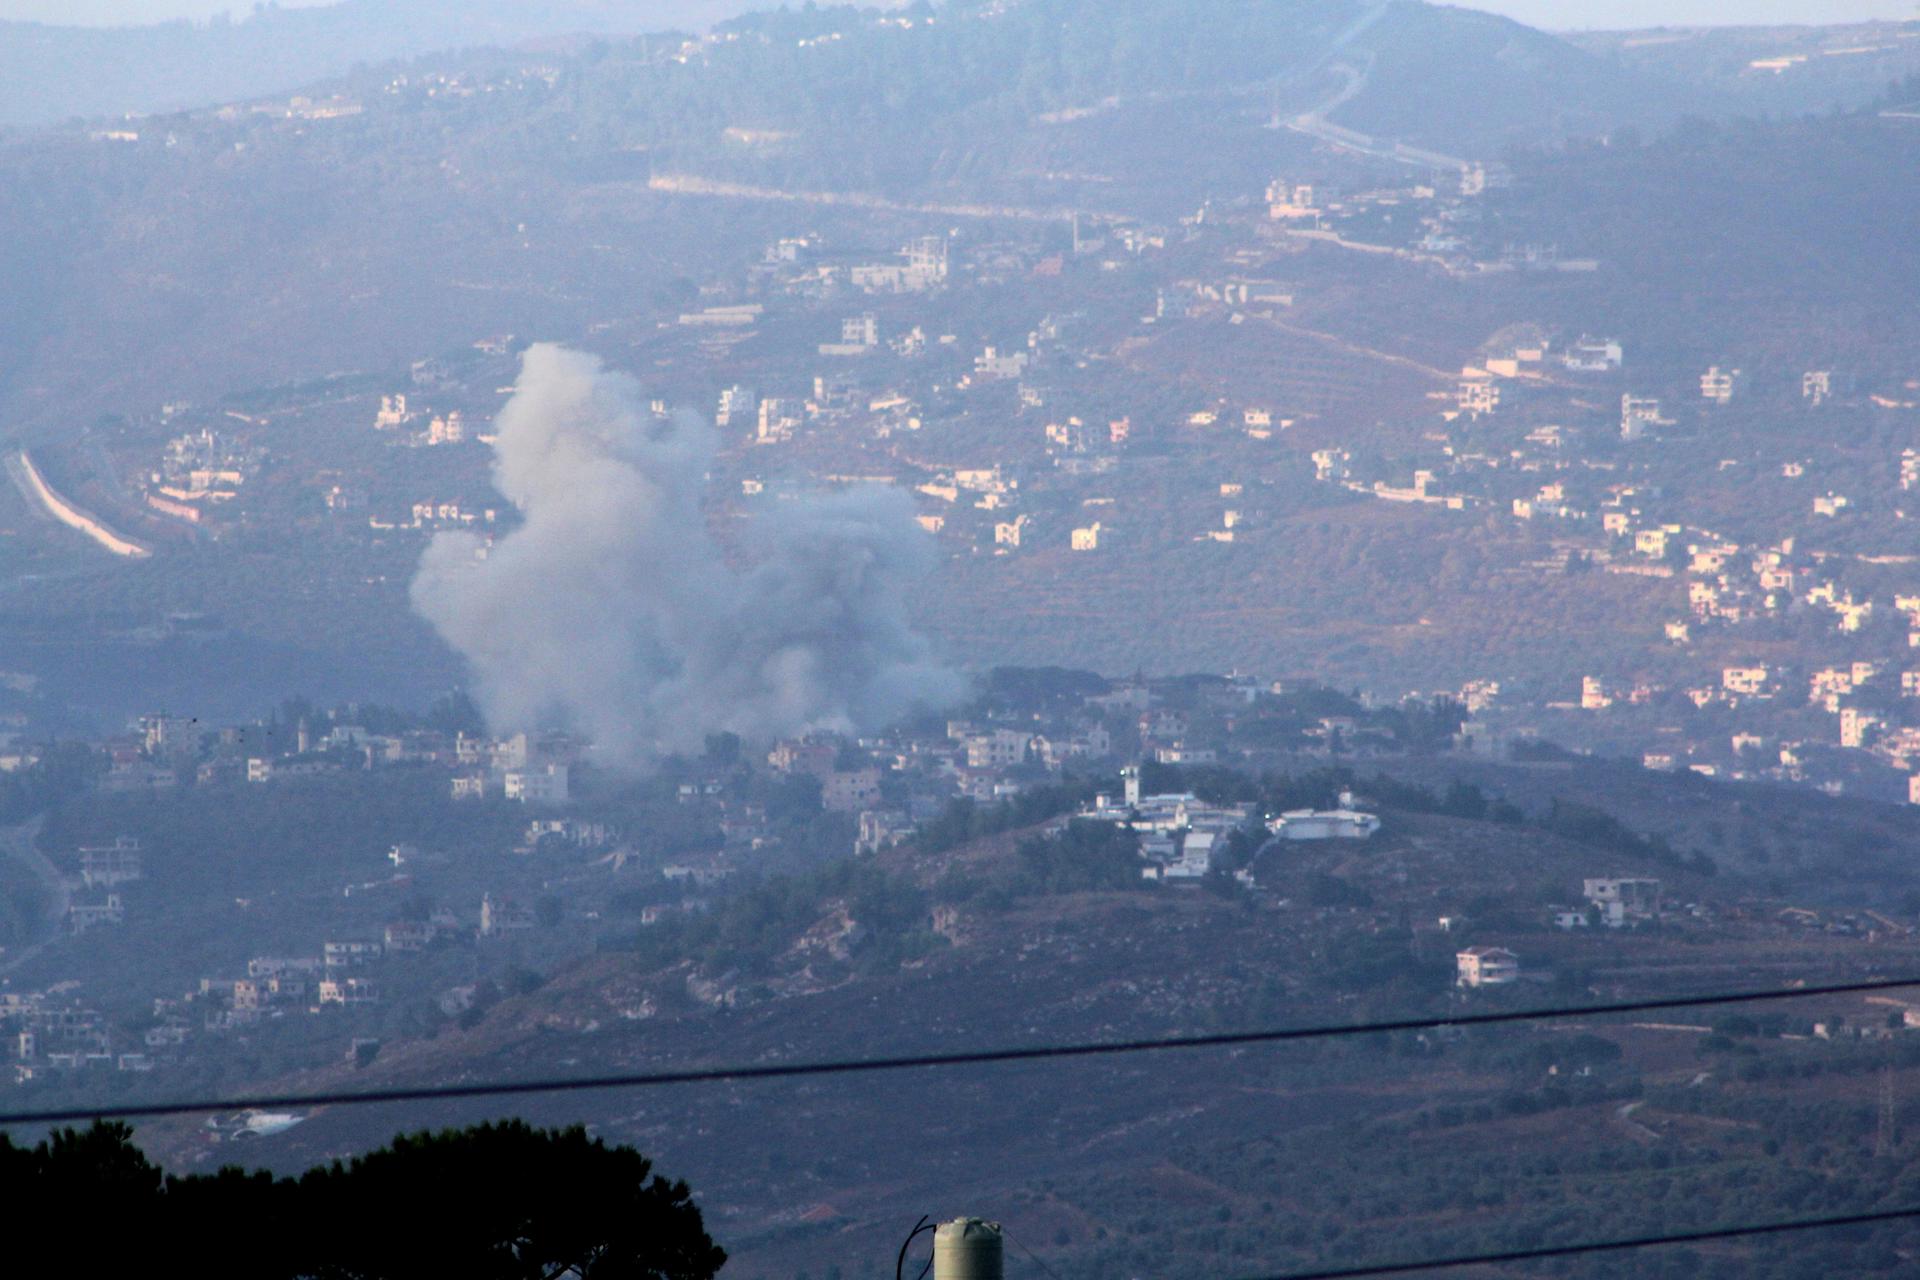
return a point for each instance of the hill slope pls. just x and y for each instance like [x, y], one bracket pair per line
[1171, 97]
[1141, 1160]
[50, 73]
[1476, 83]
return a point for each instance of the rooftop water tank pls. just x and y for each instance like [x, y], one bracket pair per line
[967, 1249]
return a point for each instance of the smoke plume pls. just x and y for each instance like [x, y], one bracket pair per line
[613, 610]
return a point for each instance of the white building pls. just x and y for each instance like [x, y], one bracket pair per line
[1189, 866]
[923, 265]
[1717, 384]
[1486, 967]
[860, 331]
[776, 419]
[1593, 355]
[1856, 726]
[880, 829]
[1162, 817]
[544, 785]
[994, 363]
[1623, 898]
[1344, 823]
[103, 866]
[347, 955]
[1290, 201]
[450, 429]
[997, 748]
[82, 916]
[393, 413]
[1652, 543]
[1637, 413]
[348, 991]
[499, 915]
[736, 401]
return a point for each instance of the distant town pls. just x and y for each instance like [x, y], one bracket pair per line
[1779, 649]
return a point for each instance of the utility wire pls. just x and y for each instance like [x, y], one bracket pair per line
[900, 1263]
[1604, 1246]
[1038, 1261]
[846, 1066]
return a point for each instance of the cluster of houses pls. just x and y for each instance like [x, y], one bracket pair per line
[893, 781]
[802, 265]
[199, 472]
[343, 975]
[46, 1031]
[1612, 904]
[202, 471]
[854, 397]
[163, 752]
[94, 897]
[1729, 585]
[888, 782]
[396, 415]
[46, 1034]
[1429, 219]
[1875, 707]
[1182, 835]
[1617, 902]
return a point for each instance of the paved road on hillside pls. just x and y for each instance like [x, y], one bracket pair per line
[1314, 123]
[16, 844]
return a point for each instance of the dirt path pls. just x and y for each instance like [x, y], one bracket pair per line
[1355, 349]
[1623, 1116]
[691, 185]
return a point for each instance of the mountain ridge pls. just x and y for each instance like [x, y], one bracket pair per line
[51, 73]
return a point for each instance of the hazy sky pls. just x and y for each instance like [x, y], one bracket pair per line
[1562, 14]
[1540, 13]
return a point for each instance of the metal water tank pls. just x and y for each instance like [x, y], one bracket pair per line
[967, 1249]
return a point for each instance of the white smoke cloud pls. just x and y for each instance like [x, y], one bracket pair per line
[612, 609]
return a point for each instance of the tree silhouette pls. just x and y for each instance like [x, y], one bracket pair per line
[494, 1202]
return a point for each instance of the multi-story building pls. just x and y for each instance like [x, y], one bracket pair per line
[1623, 898]
[1486, 967]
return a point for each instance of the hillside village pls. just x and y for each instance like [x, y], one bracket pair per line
[1191, 852]
[1772, 641]
[542, 857]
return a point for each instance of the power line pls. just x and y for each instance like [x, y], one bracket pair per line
[846, 1066]
[900, 1263]
[1038, 1261]
[1604, 1246]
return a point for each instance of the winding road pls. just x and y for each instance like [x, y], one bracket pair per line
[1314, 123]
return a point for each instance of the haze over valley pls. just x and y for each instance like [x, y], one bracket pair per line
[593, 539]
